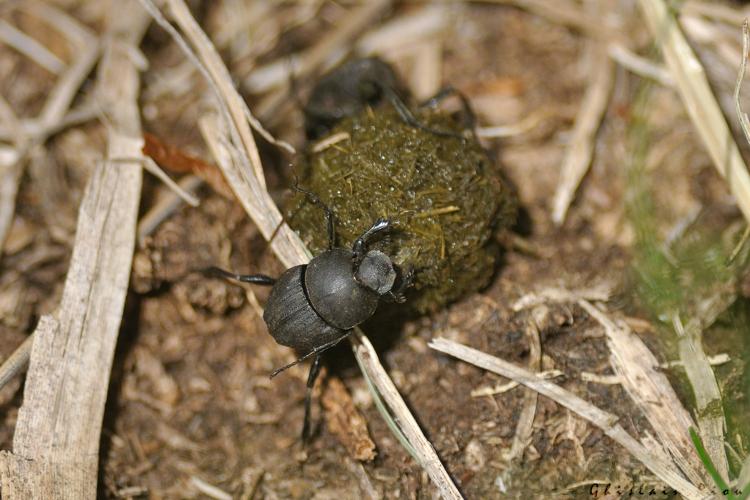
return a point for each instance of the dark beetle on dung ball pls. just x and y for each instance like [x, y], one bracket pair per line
[313, 307]
[418, 171]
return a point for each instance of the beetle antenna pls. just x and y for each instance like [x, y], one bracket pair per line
[317, 350]
[314, 199]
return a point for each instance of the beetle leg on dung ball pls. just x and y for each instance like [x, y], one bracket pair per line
[313, 198]
[359, 248]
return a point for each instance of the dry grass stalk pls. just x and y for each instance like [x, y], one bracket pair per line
[641, 66]
[710, 413]
[525, 426]
[29, 47]
[233, 148]
[56, 442]
[165, 207]
[699, 100]
[664, 470]
[638, 370]
[209, 490]
[423, 449]
[581, 149]
[565, 12]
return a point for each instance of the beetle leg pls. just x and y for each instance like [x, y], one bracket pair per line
[316, 350]
[408, 117]
[359, 248]
[257, 279]
[314, 371]
[470, 118]
[407, 280]
[313, 198]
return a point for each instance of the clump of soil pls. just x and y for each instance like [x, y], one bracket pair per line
[442, 192]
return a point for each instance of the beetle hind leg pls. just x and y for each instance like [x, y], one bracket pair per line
[311, 377]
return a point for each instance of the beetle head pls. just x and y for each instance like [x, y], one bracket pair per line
[376, 272]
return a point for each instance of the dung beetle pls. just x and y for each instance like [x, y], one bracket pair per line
[313, 307]
[360, 83]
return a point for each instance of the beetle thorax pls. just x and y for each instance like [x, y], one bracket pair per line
[334, 292]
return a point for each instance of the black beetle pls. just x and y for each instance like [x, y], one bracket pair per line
[313, 307]
[348, 89]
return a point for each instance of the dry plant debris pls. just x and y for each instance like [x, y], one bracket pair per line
[190, 411]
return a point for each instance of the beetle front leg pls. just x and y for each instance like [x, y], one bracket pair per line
[314, 372]
[407, 280]
[359, 248]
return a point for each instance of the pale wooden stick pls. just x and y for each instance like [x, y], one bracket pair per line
[664, 470]
[426, 454]
[741, 115]
[581, 149]
[699, 100]
[10, 176]
[56, 442]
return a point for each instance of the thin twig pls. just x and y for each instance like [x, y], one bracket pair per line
[16, 362]
[29, 47]
[641, 66]
[581, 149]
[165, 207]
[186, 196]
[425, 453]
